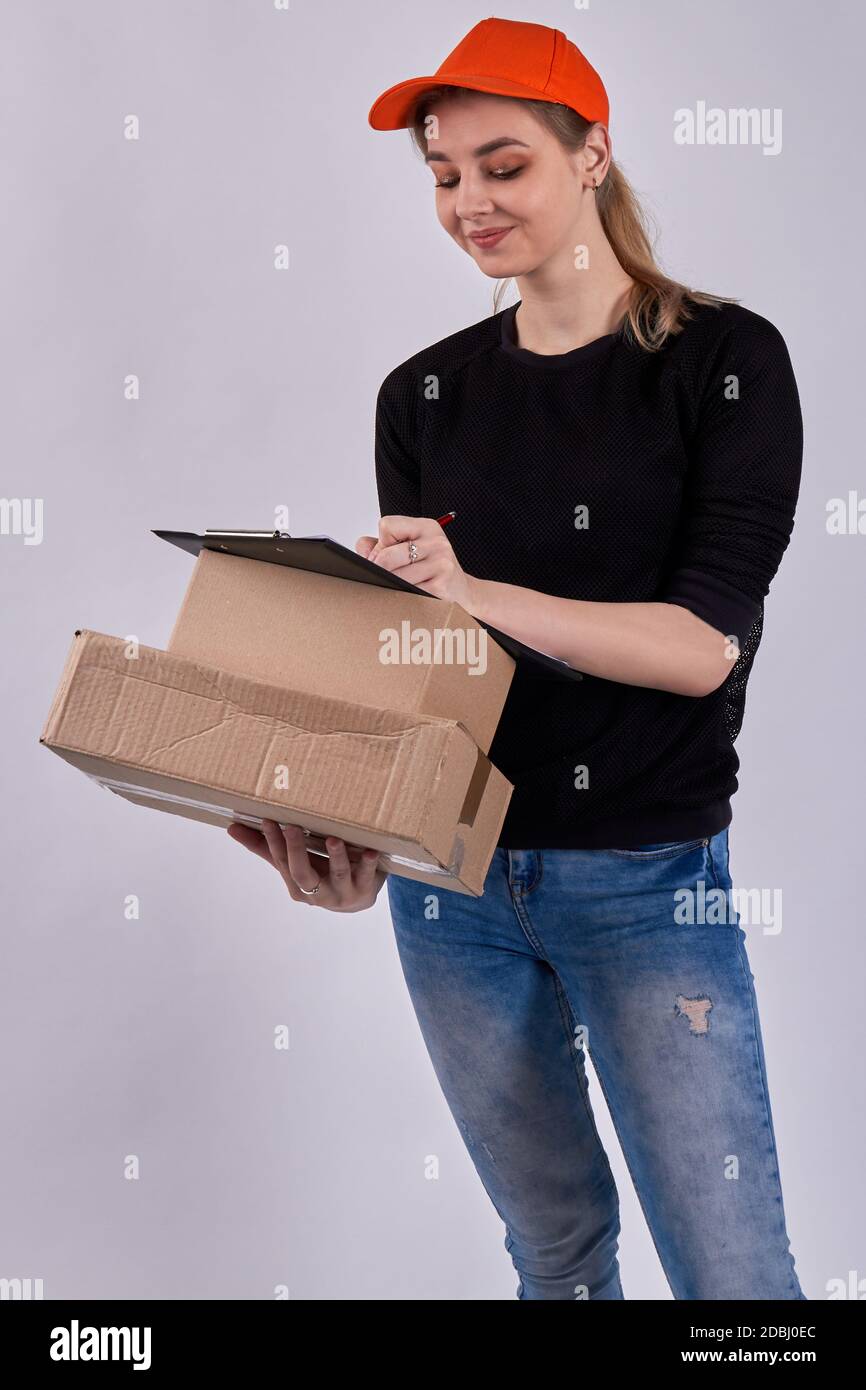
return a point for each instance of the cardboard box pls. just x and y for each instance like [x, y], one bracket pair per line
[325, 636]
[187, 736]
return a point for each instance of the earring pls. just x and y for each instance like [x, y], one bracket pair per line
[594, 186]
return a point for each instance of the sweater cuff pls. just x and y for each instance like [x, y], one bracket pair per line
[715, 602]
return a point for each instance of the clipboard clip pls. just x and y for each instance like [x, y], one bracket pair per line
[236, 531]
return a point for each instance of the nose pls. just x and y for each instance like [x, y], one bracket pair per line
[472, 201]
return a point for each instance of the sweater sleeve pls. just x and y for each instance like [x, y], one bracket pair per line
[398, 481]
[742, 483]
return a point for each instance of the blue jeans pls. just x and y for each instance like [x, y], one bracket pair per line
[574, 949]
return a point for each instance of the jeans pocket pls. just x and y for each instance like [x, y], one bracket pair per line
[669, 850]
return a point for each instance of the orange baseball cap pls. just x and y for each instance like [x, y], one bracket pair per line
[510, 59]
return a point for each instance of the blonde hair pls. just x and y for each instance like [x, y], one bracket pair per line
[658, 306]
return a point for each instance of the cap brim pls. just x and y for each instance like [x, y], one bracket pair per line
[392, 109]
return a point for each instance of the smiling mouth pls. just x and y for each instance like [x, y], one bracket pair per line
[491, 238]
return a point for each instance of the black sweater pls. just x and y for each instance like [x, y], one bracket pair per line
[687, 462]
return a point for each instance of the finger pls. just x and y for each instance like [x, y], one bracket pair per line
[365, 871]
[417, 573]
[273, 833]
[406, 528]
[339, 868]
[300, 867]
[251, 839]
[389, 557]
[397, 557]
[364, 544]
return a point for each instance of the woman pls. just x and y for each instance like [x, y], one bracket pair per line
[623, 456]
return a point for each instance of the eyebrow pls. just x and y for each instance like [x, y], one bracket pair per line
[482, 149]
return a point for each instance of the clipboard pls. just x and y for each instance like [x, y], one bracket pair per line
[324, 555]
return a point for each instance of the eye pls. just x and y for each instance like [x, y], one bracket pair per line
[494, 173]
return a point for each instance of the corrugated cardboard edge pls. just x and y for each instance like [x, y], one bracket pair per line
[452, 863]
[469, 858]
[427, 827]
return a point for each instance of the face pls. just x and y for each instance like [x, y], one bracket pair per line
[527, 191]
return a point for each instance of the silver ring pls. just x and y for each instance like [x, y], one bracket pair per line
[413, 553]
[309, 892]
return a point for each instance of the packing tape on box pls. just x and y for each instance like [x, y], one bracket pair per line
[115, 784]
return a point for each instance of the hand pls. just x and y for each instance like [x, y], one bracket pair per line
[345, 888]
[436, 569]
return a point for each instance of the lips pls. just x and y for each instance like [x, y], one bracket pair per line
[491, 237]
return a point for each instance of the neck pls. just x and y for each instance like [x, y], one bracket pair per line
[563, 307]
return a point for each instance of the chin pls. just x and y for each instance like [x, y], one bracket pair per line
[495, 268]
[503, 274]
[504, 270]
